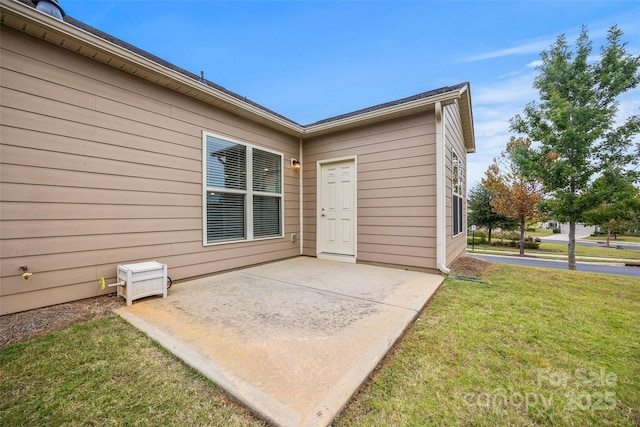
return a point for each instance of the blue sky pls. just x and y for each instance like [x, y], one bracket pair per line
[310, 60]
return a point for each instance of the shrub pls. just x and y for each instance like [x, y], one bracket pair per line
[556, 230]
[529, 243]
[480, 234]
[480, 237]
[512, 236]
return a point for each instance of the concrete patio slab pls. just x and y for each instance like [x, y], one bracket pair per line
[292, 340]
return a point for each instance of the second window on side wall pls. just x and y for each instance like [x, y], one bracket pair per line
[244, 190]
[457, 177]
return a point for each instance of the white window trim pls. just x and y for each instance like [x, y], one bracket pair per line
[248, 192]
[461, 180]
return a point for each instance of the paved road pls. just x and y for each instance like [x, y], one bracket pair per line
[581, 266]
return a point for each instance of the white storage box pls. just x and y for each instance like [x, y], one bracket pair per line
[142, 280]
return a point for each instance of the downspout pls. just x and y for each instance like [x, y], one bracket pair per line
[301, 195]
[441, 196]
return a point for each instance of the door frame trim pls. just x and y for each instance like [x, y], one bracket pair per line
[319, 252]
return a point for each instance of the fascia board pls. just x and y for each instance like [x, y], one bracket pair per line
[468, 130]
[382, 114]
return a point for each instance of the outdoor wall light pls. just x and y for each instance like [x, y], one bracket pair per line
[295, 164]
[25, 272]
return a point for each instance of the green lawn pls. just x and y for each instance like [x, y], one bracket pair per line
[553, 248]
[620, 239]
[539, 232]
[592, 251]
[528, 349]
[533, 347]
[106, 372]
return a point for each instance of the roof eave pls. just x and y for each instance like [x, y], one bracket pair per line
[27, 19]
[461, 95]
[466, 116]
[43, 26]
[383, 114]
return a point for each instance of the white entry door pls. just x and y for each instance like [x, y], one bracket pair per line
[337, 208]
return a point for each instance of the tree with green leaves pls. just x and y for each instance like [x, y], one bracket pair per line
[574, 123]
[482, 214]
[616, 201]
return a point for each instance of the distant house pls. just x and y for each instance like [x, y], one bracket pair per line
[110, 155]
[582, 230]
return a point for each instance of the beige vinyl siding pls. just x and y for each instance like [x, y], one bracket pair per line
[396, 189]
[456, 245]
[98, 168]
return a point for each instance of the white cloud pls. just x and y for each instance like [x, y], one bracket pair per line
[510, 74]
[629, 106]
[517, 89]
[597, 31]
[494, 104]
[522, 49]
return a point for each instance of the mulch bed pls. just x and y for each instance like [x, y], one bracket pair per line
[25, 325]
[467, 266]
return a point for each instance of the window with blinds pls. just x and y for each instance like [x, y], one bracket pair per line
[267, 193]
[243, 191]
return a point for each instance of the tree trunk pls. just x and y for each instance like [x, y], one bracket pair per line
[489, 237]
[522, 229]
[572, 245]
